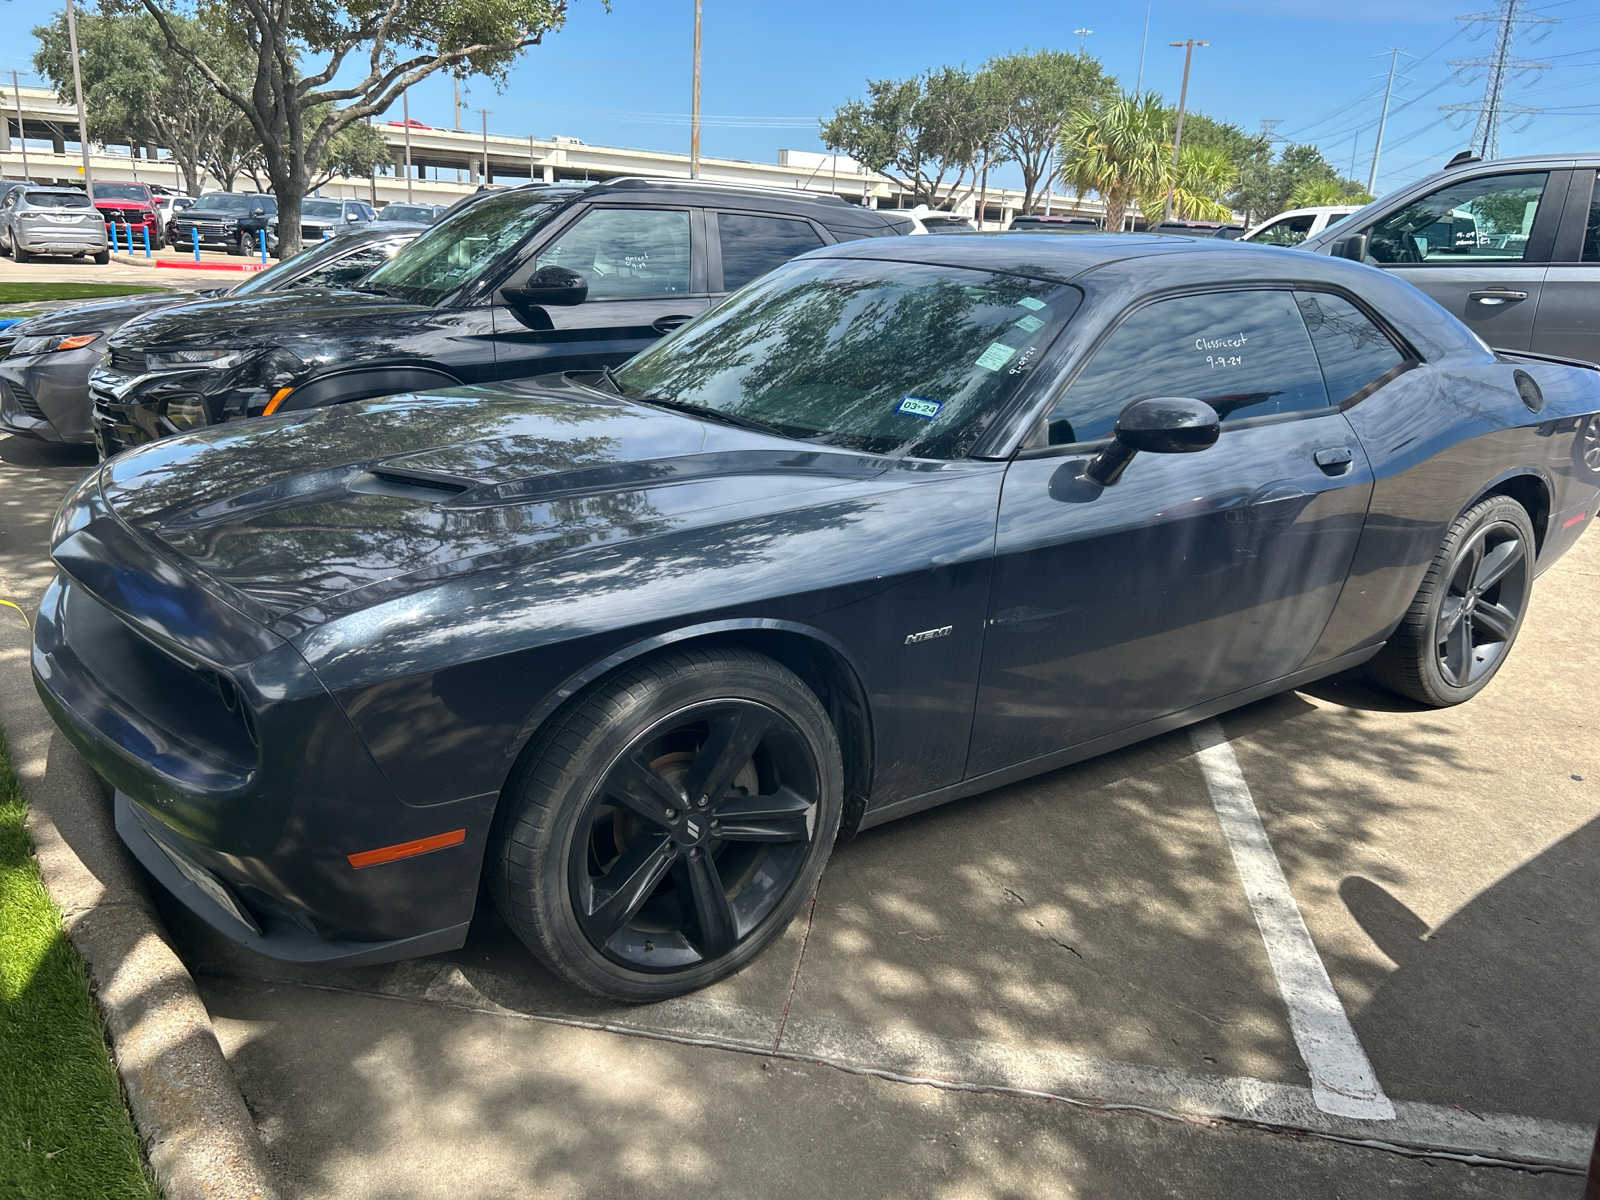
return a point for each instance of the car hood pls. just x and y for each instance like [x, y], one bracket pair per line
[103, 315]
[303, 518]
[273, 318]
[121, 204]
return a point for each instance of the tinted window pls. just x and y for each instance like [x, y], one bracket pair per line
[1351, 349]
[1591, 236]
[885, 357]
[351, 269]
[1246, 354]
[752, 246]
[1290, 231]
[63, 199]
[1471, 220]
[625, 252]
[321, 210]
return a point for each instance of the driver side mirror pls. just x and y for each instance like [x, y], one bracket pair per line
[258, 212]
[1353, 247]
[549, 286]
[1159, 425]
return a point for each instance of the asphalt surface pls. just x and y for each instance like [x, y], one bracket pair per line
[1088, 984]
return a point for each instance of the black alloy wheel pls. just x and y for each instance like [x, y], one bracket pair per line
[1589, 444]
[668, 825]
[1466, 615]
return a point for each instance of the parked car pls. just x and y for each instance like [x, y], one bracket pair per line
[7, 186]
[51, 220]
[1040, 223]
[1186, 228]
[168, 204]
[131, 207]
[517, 282]
[923, 219]
[230, 220]
[1297, 224]
[171, 210]
[425, 213]
[1511, 246]
[44, 380]
[869, 537]
[322, 218]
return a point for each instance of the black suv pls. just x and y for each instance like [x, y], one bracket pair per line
[519, 282]
[231, 220]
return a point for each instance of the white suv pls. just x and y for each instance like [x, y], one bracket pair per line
[1295, 226]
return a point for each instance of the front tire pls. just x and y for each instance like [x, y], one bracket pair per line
[667, 827]
[241, 245]
[1468, 611]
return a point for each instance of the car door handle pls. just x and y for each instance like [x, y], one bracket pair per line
[668, 323]
[1497, 296]
[1335, 460]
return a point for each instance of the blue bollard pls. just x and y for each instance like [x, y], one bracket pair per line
[262, 234]
[145, 234]
[195, 234]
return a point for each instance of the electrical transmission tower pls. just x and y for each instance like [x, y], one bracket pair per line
[1498, 67]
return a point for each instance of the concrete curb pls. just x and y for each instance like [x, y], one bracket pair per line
[201, 1140]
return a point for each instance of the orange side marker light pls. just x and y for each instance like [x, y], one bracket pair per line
[278, 397]
[383, 854]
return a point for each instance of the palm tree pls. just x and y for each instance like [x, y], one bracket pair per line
[1204, 173]
[1313, 193]
[1119, 149]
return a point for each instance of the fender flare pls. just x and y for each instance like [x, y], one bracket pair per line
[364, 383]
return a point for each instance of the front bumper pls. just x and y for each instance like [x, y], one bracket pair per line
[263, 833]
[46, 396]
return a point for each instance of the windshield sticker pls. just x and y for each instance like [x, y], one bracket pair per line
[919, 406]
[1030, 302]
[1029, 324]
[996, 356]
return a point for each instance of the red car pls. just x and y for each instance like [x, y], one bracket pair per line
[130, 204]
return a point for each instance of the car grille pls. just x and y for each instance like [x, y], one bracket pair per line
[25, 401]
[131, 216]
[5, 344]
[206, 228]
[130, 362]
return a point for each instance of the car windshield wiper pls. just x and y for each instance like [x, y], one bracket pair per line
[609, 377]
[708, 414]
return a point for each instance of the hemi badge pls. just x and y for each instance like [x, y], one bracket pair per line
[928, 635]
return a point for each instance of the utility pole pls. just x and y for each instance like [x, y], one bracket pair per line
[455, 94]
[1500, 64]
[405, 120]
[22, 132]
[694, 102]
[1383, 118]
[1138, 88]
[484, 113]
[1188, 45]
[77, 92]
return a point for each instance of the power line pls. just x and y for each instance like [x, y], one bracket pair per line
[1498, 66]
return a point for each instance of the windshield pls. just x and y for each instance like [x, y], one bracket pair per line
[62, 199]
[891, 358]
[231, 202]
[461, 247]
[406, 212]
[121, 191]
[321, 208]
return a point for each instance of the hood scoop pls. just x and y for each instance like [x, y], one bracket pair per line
[655, 473]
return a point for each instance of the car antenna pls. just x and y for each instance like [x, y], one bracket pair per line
[1466, 156]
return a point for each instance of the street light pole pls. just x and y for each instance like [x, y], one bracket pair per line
[405, 120]
[484, 112]
[694, 102]
[1188, 45]
[1383, 117]
[77, 92]
[22, 132]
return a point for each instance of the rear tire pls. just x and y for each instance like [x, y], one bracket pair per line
[103, 257]
[1460, 628]
[18, 254]
[624, 882]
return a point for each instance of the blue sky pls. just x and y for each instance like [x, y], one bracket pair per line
[770, 68]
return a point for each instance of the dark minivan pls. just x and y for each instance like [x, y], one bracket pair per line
[520, 282]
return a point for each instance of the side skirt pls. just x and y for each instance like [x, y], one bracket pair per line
[1112, 741]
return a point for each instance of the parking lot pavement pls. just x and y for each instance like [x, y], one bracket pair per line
[1096, 939]
[76, 270]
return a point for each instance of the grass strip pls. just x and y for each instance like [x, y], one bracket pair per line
[64, 1127]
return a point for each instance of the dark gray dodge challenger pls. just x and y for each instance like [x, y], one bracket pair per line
[896, 524]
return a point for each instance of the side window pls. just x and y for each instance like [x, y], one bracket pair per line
[1591, 235]
[1247, 354]
[752, 246]
[1290, 231]
[1352, 350]
[626, 253]
[1471, 221]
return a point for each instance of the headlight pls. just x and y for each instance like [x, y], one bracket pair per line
[230, 223]
[216, 360]
[49, 342]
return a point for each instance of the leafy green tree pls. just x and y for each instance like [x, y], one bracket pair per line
[1204, 175]
[1313, 193]
[1030, 95]
[1121, 149]
[369, 50]
[925, 133]
[136, 90]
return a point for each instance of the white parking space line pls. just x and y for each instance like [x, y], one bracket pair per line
[1342, 1080]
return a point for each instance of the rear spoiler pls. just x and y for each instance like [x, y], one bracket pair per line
[1530, 356]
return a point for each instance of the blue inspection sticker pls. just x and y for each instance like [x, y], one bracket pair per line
[919, 406]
